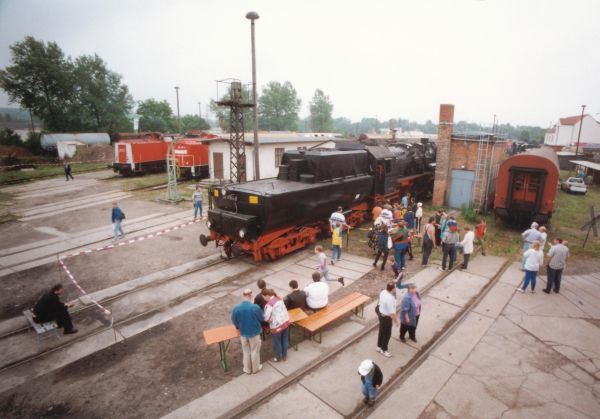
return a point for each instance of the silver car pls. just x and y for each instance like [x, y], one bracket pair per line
[574, 185]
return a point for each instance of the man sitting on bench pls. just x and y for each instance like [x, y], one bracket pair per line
[49, 308]
[317, 293]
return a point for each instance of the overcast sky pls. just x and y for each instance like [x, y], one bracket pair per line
[528, 61]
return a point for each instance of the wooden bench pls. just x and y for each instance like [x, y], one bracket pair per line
[351, 303]
[42, 330]
[223, 335]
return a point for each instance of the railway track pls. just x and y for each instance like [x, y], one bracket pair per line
[394, 381]
[128, 319]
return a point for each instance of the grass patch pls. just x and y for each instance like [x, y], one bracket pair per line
[48, 171]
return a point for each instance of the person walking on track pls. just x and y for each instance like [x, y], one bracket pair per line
[247, 318]
[197, 197]
[383, 246]
[68, 174]
[322, 266]
[117, 217]
[371, 379]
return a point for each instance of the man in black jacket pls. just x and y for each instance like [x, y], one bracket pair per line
[371, 378]
[296, 298]
[50, 308]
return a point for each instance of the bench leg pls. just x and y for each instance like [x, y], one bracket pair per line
[223, 346]
[320, 333]
[360, 309]
[291, 340]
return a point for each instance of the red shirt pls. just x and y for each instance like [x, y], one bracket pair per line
[480, 230]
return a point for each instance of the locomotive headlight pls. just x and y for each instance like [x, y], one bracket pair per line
[208, 224]
[242, 233]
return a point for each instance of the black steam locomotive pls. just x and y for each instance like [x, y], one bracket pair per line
[272, 217]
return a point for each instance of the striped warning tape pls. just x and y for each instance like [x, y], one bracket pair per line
[130, 241]
[106, 311]
[62, 258]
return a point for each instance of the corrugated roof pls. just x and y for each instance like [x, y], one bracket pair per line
[283, 137]
[588, 164]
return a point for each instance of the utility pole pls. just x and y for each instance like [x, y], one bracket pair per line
[200, 111]
[579, 134]
[494, 125]
[252, 16]
[178, 117]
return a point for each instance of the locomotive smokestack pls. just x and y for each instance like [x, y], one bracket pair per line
[442, 162]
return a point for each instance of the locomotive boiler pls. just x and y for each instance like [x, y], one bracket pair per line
[272, 217]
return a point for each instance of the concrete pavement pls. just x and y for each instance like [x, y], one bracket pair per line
[515, 355]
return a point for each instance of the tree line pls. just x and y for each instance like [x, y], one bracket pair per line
[83, 94]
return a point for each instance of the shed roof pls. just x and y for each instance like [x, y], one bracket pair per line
[588, 164]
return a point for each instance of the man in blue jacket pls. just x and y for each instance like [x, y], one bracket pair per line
[117, 217]
[247, 318]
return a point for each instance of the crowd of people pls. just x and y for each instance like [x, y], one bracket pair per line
[396, 226]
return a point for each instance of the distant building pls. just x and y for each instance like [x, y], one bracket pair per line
[272, 146]
[49, 141]
[566, 131]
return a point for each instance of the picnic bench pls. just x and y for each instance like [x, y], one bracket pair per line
[315, 323]
[223, 335]
[42, 330]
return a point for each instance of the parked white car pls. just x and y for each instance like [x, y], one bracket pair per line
[574, 185]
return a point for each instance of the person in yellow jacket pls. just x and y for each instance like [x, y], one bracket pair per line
[336, 242]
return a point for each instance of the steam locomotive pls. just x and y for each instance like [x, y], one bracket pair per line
[272, 217]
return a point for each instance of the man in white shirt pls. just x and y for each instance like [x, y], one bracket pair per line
[317, 293]
[387, 314]
[337, 217]
[467, 246]
[557, 261]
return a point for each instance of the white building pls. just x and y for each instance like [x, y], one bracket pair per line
[271, 149]
[565, 133]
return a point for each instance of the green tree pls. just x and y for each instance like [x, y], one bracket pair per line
[189, 122]
[103, 102]
[222, 112]
[524, 136]
[156, 116]
[278, 107]
[9, 137]
[41, 79]
[321, 109]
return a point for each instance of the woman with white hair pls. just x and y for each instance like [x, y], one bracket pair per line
[530, 235]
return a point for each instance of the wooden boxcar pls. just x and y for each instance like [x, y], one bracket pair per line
[526, 187]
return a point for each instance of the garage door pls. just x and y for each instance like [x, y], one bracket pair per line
[461, 188]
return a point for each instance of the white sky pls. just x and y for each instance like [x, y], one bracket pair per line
[528, 61]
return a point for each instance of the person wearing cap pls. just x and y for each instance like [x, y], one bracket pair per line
[371, 379]
[386, 215]
[386, 312]
[337, 217]
[247, 318]
[410, 310]
[418, 217]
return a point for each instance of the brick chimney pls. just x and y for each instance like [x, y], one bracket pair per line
[442, 161]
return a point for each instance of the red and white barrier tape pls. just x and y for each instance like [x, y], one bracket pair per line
[61, 258]
[130, 241]
[106, 311]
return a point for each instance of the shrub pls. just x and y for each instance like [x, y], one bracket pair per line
[469, 214]
[9, 137]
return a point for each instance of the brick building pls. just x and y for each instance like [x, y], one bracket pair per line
[466, 165]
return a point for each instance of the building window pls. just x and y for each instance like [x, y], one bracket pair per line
[278, 155]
